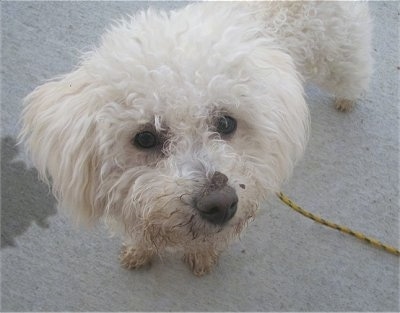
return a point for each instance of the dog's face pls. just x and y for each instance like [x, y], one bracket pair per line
[176, 126]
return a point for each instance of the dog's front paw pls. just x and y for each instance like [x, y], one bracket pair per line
[134, 257]
[201, 263]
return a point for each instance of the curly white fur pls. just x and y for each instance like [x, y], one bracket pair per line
[176, 73]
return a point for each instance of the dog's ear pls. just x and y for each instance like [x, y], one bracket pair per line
[283, 106]
[59, 131]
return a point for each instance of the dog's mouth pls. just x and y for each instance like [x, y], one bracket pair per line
[211, 208]
[194, 224]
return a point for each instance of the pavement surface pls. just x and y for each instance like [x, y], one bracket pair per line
[284, 262]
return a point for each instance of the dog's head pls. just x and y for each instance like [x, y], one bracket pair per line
[178, 123]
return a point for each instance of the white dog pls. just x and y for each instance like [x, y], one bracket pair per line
[180, 123]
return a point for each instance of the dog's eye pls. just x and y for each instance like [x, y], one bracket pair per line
[226, 125]
[145, 140]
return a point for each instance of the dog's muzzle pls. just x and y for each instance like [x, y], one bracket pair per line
[218, 203]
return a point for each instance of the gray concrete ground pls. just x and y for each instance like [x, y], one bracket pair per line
[284, 262]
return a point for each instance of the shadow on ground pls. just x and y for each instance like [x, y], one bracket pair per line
[24, 199]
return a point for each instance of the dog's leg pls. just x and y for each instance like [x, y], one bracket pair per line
[342, 62]
[344, 104]
[133, 256]
[348, 79]
[202, 261]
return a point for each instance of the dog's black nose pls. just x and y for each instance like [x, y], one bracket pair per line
[218, 204]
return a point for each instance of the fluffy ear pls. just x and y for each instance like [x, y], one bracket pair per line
[283, 109]
[58, 128]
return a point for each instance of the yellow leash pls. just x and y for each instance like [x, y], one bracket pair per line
[340, 228]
